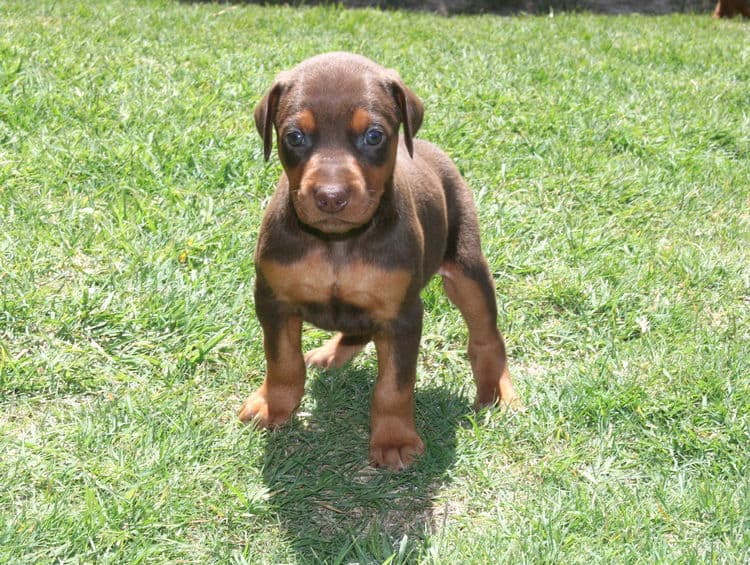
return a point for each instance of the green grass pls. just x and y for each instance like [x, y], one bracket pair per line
[610, 158]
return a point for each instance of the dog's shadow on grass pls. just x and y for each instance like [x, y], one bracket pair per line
[332, 504]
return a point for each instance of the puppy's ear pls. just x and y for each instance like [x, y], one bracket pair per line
[410, 107]
[265, 114]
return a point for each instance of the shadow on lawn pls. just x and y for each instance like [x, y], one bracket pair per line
[333, 505]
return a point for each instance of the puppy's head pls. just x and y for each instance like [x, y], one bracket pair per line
[337, 119]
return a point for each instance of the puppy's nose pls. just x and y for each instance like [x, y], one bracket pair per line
[331, 199]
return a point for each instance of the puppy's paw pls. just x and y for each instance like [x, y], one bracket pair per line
[501, 394]
[510, 403]
[395, 445]
[333, 353]
[268, 410]
[323, 357]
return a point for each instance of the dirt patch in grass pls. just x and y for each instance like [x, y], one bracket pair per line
[510, 7]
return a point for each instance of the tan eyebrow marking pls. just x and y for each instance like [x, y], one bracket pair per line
[360, 121]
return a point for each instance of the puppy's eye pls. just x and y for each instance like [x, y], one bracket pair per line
[373, 137]
[295, 138]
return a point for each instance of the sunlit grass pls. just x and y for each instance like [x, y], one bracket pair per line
[610, 160]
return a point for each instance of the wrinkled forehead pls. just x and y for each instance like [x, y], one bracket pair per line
[338, 97]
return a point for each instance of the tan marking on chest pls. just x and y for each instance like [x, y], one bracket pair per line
[378, 291]
[314, 279]
[307, 280]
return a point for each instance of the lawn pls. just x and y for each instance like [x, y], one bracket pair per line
[610, 161]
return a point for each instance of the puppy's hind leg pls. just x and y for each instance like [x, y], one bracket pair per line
[468, 284]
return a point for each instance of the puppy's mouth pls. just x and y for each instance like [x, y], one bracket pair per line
[334, 225]
[350, 219]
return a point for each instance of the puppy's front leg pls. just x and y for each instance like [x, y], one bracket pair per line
[281, 392]
[394, 442]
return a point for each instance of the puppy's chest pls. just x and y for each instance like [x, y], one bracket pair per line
[326, 289]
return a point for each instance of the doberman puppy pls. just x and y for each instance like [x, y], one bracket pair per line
[360, 221]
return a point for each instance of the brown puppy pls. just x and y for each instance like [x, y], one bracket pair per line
[358, 224]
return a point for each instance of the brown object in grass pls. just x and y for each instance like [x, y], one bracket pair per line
[731, 8]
